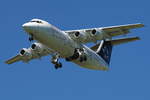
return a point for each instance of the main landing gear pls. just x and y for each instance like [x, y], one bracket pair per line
[56, 62]
[78, 53]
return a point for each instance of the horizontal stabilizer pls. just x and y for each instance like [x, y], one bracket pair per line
[123, 40]
[13, 60]
[117, 42]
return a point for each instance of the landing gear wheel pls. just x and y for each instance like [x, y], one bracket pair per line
[83, 58]
[76, 55]
[58, 65]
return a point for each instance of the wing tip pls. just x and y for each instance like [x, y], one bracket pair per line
[142, 25]
[137, 25]
[8, 62]
[137, 38]
[13, 60]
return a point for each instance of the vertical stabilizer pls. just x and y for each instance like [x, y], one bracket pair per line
[105, 50]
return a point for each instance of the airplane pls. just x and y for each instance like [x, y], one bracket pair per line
[71, 44]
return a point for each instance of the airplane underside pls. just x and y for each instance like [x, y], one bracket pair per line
[70, 44]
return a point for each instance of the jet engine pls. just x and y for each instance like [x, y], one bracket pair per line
[77, 34]
[80, 36]
[40, 49]
[97, 34]
[37, 47]
[94, 32]
[26, 53]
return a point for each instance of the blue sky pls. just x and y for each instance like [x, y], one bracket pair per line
[128, 79]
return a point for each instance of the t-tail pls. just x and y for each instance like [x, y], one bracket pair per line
[104, 48]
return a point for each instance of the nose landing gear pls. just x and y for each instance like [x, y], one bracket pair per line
[31, 38]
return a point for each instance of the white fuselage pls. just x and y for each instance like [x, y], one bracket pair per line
[61, 42]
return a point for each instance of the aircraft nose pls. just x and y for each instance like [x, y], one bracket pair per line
[29, 27]
[26, 26]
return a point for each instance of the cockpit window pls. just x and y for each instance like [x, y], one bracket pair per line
[37, 21]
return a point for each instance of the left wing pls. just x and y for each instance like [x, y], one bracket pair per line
[117, 42]
[120, 30]
[94, 34]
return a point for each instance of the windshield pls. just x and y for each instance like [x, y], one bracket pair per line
[37, 21]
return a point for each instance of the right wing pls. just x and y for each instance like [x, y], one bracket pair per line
[14, 59]
[37, 50]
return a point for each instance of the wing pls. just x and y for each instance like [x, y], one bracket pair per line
[94, 34]
[14, 59]
[120, 30]
[36, 51]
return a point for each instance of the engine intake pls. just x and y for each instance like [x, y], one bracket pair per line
[38, 48]
[22, 52]
[33, 46]
[77, 34]
[94, 32]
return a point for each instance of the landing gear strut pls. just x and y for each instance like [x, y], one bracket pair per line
[56, 62]
[31, 38]
[58, 65]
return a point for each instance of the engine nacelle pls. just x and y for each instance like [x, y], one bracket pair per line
[94, 32]
[97, 33]
[80, 36]
[26, 53]
[41, 49]
[37, 50]
[38, 47]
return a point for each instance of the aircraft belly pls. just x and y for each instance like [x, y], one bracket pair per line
[58, 42]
